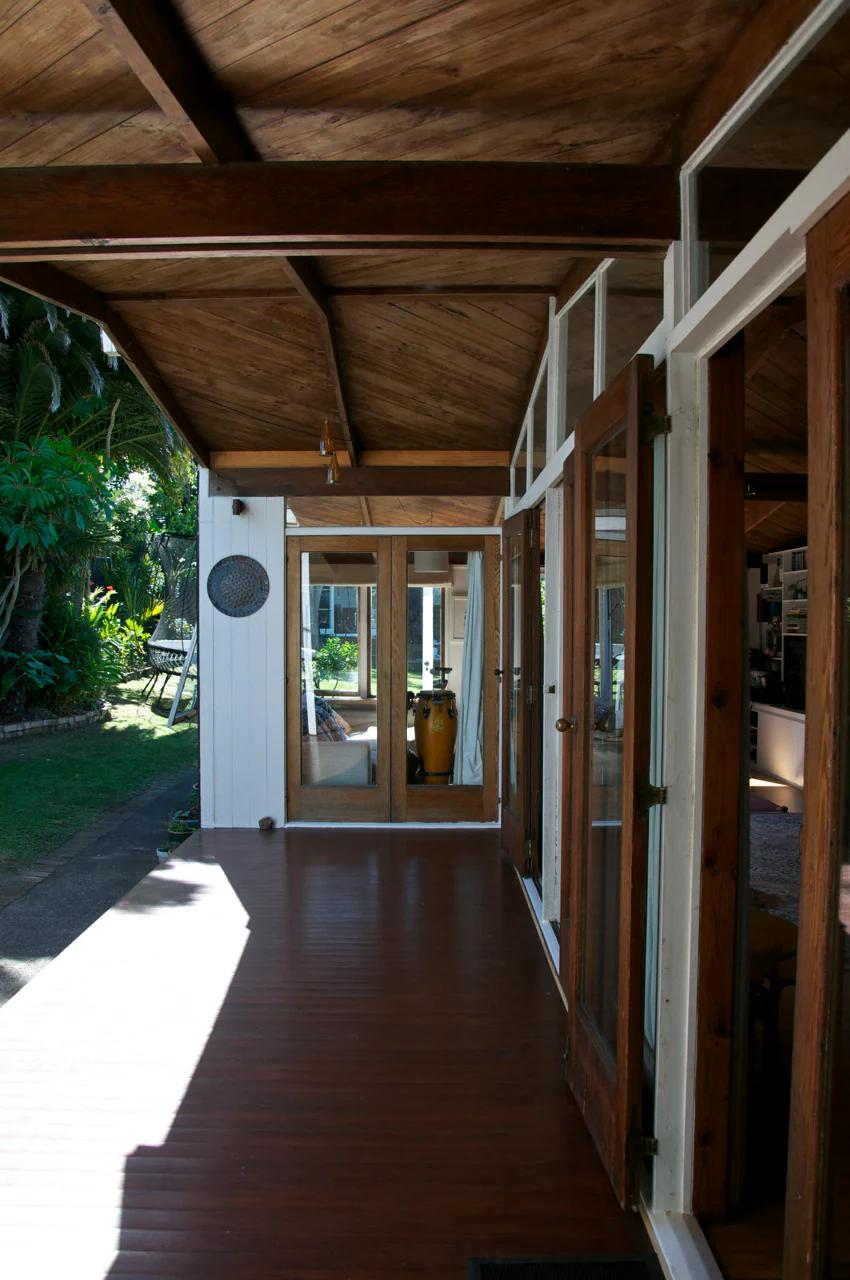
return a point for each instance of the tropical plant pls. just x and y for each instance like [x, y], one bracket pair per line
[71, 418]
[38, 670]
[335, 660]
[56, 380]
[98, 648]
[48, 496]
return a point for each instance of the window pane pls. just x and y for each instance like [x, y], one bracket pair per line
[635, 307]
[521, 469]
[805, 114]
[445, 668]
[538, 427]
[581, 320]
[599, 980]
[339, 723]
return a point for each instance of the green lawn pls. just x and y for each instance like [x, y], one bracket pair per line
[54, 784]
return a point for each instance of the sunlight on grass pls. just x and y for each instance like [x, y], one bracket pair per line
[55, 784]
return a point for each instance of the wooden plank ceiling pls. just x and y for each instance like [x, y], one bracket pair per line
[777, 421]
[400, 349]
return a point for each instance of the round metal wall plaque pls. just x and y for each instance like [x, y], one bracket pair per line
[238, 586]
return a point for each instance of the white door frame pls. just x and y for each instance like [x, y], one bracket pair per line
[772, 260]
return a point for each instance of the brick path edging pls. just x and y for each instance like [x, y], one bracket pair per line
[55, 724]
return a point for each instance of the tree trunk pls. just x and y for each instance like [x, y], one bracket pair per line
[25, 628]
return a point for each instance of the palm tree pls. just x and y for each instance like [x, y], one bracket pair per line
[59, 387]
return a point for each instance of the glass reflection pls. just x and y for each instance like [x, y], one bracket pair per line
[445, 668]
[599, 979]
[339, 712]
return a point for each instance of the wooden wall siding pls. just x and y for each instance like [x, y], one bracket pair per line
[242, 669]
[534, 80]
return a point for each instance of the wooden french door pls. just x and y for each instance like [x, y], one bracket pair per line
[373, 623]
[817, 1225]
[521, 576]
[567, 723]
[612, 611]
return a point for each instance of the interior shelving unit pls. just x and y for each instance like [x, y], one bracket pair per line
[787, 583]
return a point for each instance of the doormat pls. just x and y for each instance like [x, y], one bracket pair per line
[565, 1269]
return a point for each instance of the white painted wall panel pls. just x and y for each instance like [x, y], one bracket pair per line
[242, 670]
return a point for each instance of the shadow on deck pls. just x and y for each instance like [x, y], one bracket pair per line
[302, 1055]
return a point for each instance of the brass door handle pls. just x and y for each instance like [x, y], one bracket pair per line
[564, 725]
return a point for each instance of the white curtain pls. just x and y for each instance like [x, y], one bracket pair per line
[469, 747]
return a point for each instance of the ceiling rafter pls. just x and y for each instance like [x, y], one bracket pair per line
[163, 54]
[66, 291]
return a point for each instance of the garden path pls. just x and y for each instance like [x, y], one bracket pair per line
[99, 865]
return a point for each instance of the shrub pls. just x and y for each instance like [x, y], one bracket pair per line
[96, 648]
[335, 659]
[38, 670]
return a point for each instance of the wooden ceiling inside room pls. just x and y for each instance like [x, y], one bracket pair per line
[402, 347]
[777, 420]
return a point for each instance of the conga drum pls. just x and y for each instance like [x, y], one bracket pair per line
[435, 728]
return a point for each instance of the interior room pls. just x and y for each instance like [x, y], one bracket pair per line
[772, 798]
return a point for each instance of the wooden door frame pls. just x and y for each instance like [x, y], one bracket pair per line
[534, 769]
[356, 804]
[595, 1080]
[445, 803]
[567, 711]
[818, 995]
[515, 821]
[723, 771]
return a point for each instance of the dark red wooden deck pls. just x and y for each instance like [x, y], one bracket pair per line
[302, 1056]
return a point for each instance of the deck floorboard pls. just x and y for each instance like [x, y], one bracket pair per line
[303, 1055]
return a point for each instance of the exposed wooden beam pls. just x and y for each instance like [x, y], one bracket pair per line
[754, 45]
[160, 50]
[166, 59]
[337, 202]
[365, 482]
[287, 459]
[422, 292]
[56, 286]
[350, 248]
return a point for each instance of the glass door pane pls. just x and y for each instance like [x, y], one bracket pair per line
[604, 834]
[339, 720]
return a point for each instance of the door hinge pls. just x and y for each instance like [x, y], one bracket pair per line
[647, 796]
[640, 1146]
[654, 424]
[529, 856]
[531, 537]
[529, 695]
[567, 1048]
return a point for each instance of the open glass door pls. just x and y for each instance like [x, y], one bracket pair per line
[521, 574]
[612, 608]
[817, 1225]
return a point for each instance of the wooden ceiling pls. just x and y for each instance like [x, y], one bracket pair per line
[402, 348]
[777, 420]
